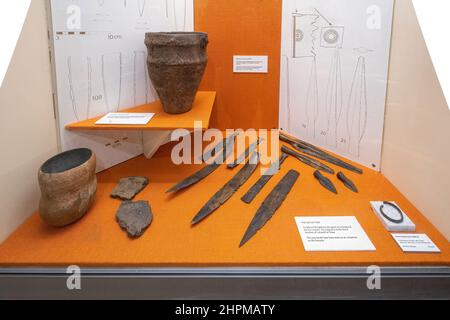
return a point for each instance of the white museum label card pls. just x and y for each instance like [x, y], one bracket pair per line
[250, 64]
[415, 243]
[122, 118]
[333, 234]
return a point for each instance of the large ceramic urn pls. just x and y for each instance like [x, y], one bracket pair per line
[176, 64]
[68, 185]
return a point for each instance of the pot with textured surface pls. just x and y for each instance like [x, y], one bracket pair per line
[68, 185]
[176, 64]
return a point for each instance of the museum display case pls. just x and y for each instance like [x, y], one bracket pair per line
[222, 149]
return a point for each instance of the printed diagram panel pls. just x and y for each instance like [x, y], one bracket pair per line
[100, 64]
[334, 69]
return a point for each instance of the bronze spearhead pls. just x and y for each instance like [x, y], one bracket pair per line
[347, 182]
[325, 182]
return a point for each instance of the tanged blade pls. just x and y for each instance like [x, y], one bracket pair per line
[313, 151]
[206, 171]
[229, 189]
[270, 205]
[261, 183]
[307, 160]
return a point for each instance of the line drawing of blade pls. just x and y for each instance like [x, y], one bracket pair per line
[334, 99]
[141, 7]
[140, 82]
[175, 20]
[357, 112]
[72, 90]
[305, 35]
[112, 82]
[312, 100]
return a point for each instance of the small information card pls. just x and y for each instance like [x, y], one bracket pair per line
[250, 64]
[415, 243]
[333, 234]
[121, 118]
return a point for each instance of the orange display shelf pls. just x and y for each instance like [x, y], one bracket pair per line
[201, 111]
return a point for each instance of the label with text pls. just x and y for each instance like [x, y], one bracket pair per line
[250, 64]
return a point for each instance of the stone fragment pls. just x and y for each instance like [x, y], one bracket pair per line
[134, 217]
[128, 188]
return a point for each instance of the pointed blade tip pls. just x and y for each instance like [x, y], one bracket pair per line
[199, 218]
[243, 242]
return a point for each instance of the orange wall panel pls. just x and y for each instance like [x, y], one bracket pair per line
[236, 27]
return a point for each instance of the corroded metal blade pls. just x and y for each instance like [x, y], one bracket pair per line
[206, 171]
[209, 154]
[347, 182]
[245, 155]
[196, 177]
[308, 161]
[229, 189]
[325, 182]
[270, 205]
[260, 184]
[313, 151]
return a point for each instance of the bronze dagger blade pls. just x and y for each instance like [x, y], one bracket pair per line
[245, 155]
[270, 205]
[206, 171]
[193, 179]
[217, 148]
[224, 194]
[308, 161]
[261, 183]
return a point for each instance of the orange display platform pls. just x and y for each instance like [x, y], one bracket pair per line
[201, 111]
[97, 240]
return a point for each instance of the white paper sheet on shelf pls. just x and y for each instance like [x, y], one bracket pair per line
[122, 118]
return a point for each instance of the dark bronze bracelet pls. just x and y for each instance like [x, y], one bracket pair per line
[398, 221]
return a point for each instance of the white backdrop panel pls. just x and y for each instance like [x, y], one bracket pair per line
[334, 70]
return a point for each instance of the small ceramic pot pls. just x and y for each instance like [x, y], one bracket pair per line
[176, 64]
[68, 185]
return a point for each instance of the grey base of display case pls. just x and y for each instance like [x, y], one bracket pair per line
[226, 283]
